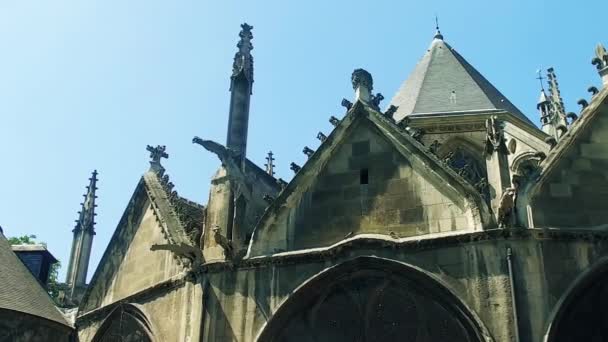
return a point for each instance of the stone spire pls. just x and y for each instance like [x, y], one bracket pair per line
[601, 62]
[241, 83]
[82, 241]
[551, 108]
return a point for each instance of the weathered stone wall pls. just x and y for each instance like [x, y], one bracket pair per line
[174, 314]
[132, 266]
[366, 187]
[576, 191]
[476, 272]
[20, 327]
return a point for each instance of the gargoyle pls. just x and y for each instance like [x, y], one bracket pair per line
[494, 138]
[223, 242]
[192, 253]
[506, 208]
[229, 159]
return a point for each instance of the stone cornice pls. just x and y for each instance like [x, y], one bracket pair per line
[467, 121]
[375, 241]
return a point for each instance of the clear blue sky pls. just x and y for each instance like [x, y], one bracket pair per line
[88, 84]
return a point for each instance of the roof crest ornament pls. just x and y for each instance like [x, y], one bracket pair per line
[438, 34]
[156, 153]
[270, 164]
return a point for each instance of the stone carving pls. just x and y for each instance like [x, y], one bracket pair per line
[482, 187]
[322, 137]
[434, 146]
[243, 61]
[495, 141]
[308, 151]
[391, 111]
[506, 208]
[156, 153]
[572, 116]
[361, 77]
[583, 103]
[376, 99]
[551, 141]
[415, 133]
[192, 253]
[593, 90]
[269, 199]
[346, 104]
[468, 127]
[223, 242]
[448, 158]
[295, 167]
[334, 121]
[601, 57]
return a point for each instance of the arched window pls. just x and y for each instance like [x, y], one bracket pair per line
[368, 303]
[126, 323]
[466, 159]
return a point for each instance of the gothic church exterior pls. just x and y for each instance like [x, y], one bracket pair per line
[446, 216]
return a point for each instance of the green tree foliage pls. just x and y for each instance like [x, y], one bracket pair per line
[52, 286]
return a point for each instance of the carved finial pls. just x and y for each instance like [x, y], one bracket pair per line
[363, 84]
[295, 167]
[572, 116]
[269, 164]
[376, 99]
[243, 61]
[269, 199]
[346, 104]
[322, 137]
[583, 103]
[434, 146]
[551, 141]
[390, 111]
[495, 141]
[334, 120]
[593, 90]
[156, 153]
[308, 151]
[601, 62]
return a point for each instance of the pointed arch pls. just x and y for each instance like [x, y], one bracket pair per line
[581, 314]
[372, 298]
[127, 321]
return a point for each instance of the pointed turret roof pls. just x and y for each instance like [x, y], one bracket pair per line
[443, 82]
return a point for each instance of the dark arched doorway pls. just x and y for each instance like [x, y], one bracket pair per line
[372, 299]
[582, 315]
[126, 323]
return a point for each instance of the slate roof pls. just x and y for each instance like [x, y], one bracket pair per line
[20, 291]
[443, 81]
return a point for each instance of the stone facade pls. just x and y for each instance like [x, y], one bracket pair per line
[456, 219]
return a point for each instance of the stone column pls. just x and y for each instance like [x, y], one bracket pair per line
[497, 164]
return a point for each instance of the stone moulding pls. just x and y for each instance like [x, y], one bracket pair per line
[375, 241]
[162, 287]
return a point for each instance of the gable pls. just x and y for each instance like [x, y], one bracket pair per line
[128, 265]
[403, 197]
[573, 190]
